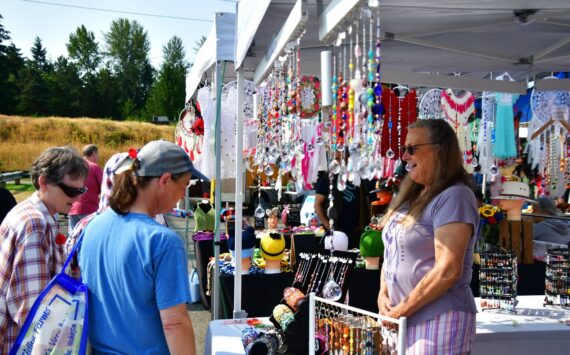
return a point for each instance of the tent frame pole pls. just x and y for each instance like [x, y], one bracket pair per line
[238, 312]
[218, 192]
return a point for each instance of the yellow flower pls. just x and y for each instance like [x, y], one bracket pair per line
[486, 211]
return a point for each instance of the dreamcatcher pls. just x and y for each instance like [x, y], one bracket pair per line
[543, 102]
[430, 105]
[189, 132]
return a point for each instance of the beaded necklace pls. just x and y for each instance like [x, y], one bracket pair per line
[390, 153]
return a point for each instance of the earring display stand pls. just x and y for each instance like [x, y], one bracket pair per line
[498, 277]
[338, 328]
[557, 277]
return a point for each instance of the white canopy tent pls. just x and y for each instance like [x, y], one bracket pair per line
[218, 49]
[441, 43]
[459, 44]
[219, 46]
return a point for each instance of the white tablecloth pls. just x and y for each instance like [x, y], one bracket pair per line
[534, 329]
[224, 337]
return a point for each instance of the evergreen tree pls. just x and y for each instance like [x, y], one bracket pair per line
[39, 57]
[11, 62]
[167, 95]
[34, 89]
[65, 87]
[128, 47]
[104, 93]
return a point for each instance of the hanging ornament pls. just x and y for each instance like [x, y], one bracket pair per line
[331, 290]
[334, 167]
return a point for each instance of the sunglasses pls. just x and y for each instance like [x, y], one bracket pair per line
[411, 149]
[71, 191]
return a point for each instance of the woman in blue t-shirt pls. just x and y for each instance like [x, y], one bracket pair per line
[135, 268]
[429, 234]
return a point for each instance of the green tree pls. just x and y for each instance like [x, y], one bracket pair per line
[66, 89]
[34, 92]
[11, 62]
[128, 48]
[84, 51]
[101, 100]
[167, 95]
[39, 56]
[34, 89]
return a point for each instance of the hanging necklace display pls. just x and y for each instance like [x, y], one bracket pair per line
[390, 153]
[484, 146]
[554, 166]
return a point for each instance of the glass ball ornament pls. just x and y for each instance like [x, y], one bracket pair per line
[494, 170]
[334, 167]
[474, 162]
[354, 149]
[341, 184]
[390, 154]
[332, 291]
[268, 170]
[259, 212]
[362, 167]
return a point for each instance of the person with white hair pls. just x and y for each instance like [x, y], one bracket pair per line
[550, 230]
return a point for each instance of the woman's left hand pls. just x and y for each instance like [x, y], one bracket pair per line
[396, 312]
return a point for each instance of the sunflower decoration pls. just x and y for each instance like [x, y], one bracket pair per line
[491, 216]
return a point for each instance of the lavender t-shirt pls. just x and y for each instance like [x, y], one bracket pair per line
[409, 252]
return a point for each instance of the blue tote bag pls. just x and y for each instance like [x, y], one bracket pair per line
[57, 322]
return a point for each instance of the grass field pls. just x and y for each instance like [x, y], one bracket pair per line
[22, 139]
[21, 191]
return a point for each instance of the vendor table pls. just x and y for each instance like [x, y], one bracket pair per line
[224, 337]
[534, 329]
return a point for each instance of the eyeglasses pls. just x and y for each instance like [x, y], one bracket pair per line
[71, 191]
[411, 149]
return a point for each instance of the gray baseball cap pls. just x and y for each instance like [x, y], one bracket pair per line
[159, 157]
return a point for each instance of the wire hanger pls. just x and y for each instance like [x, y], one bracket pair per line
[505, 74]
[402, 90]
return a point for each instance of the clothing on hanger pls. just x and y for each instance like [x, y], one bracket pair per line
[204, 217]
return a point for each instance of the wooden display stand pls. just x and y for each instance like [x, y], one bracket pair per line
[517, 235]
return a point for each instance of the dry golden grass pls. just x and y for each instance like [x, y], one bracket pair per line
[22, 139]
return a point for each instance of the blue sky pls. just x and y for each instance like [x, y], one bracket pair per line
[54, 23]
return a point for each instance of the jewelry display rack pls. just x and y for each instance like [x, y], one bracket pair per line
[316, 268]
[498, 277]
[557, 277]
[335, 328]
